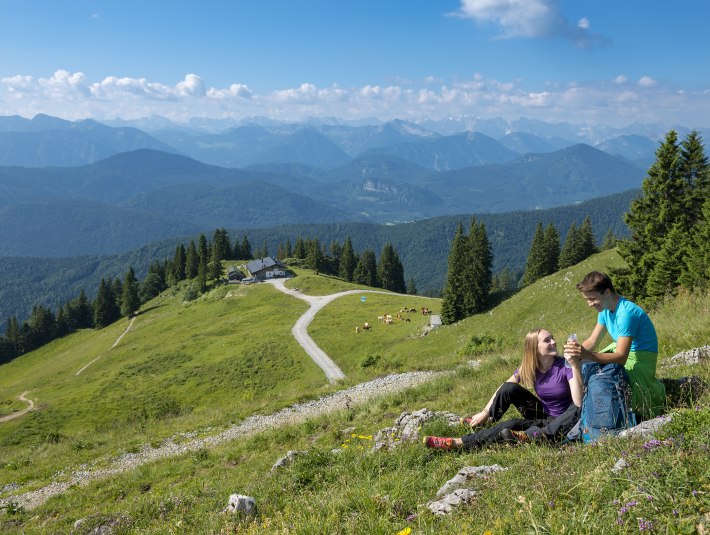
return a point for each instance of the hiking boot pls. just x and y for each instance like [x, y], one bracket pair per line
[513, 437]
[439, 443]
[520, 436]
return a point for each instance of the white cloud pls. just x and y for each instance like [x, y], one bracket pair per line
[613, 101]
[530, 19]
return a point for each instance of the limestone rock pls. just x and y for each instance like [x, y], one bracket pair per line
[690, 357]
[406, 428]
[287, 459]
[620, 465]
[648, 427]
[446, 505]
[241, 504]
[465, 475]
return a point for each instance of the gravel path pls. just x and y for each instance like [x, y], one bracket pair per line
[110, 348]
[250, 426]
[300, 329]
[30, 406]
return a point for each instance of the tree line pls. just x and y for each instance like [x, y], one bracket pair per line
[201, 264]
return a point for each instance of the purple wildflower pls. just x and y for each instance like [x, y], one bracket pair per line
[645, 525]
[615, 502]
[652, 444]
[675, 512]
[632, 503]
[411, 517]
[623, 510]
[694, 493]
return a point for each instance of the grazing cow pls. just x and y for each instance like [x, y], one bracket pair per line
[357, 329]
[407, 319]
[366, 326]
[380, 318]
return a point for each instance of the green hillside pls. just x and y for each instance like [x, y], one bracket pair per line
[193, 369]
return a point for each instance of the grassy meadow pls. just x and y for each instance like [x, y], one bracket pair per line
[200, 366]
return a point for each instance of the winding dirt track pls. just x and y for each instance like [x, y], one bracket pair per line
[300, 329]
[30, 406]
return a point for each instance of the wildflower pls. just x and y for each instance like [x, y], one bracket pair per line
[675, 512]
[619, 521]
[649, 498]
[652, 444]
[632, 503]
[694, 493]
[645, 525]
[411, 517]
[615, 502]
[405, 531]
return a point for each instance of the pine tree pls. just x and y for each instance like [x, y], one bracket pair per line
[103, 306]
[535, 266]
[82, 313]
[246, 249]
[62, 322]
[667, 265]
[411, 286]
[452, 306]
[570, 249]
[477, 269]
[551, 242]
[191, 261]
[314, 256]
[289, 250]
[587, 244]
[130, 301]
[650, 217]
[609, 241]
[366, 270]
[696, 268]
[389, 270]
[348, 260]
[117, 292]
[214, 267]
[300, 249]
[178, 264]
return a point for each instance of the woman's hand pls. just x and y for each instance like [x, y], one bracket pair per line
[479, 418]
[573, 351]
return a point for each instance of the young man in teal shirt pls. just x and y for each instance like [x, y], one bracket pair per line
[635, 344]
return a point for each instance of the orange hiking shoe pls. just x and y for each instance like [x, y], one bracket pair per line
[439, 443]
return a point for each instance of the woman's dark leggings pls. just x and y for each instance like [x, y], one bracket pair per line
[534, 420]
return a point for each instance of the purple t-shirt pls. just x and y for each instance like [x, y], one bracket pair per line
[552, 387]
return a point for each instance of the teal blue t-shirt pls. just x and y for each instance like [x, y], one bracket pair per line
[629, 319]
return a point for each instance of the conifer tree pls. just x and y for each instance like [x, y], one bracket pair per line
[609, 241]
[178, 264]
[300, 249]
[552, 249]
[103, 306]
[62, 322]
[246, 249]
[82, 313]
[663, 277]
[696, 268]
[130, 301]
[452, 306]
[117, 292]
[477, 269]
[570, 249]
[536, 264]
[587, 244]
[650, 217]
[389, 270]
[411, 286]
[289, 250]
[214, 267]
[191, 261]
[314, 256]
[348, 261]
[366, 270]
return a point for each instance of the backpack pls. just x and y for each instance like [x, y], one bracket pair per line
[605, 406]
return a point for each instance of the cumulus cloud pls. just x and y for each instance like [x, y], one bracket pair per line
[530, 19]
[613, 101]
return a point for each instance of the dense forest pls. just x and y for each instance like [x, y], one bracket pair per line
[423, 247]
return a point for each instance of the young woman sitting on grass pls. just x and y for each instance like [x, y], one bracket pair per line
[549, 415]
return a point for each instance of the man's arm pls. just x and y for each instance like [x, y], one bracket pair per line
[619, 356]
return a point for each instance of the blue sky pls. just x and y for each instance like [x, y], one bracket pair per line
[580, 61]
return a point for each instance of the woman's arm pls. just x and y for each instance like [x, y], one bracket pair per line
[575, 384]
[482, 417]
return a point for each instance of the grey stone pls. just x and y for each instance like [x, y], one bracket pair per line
[647, 428]
[287, 459]
[690, 357]
[465, 475]
[446, 505]
[620, 465]
[406, 428]
[241, 504]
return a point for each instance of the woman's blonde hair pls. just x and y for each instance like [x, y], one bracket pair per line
[531, 362]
